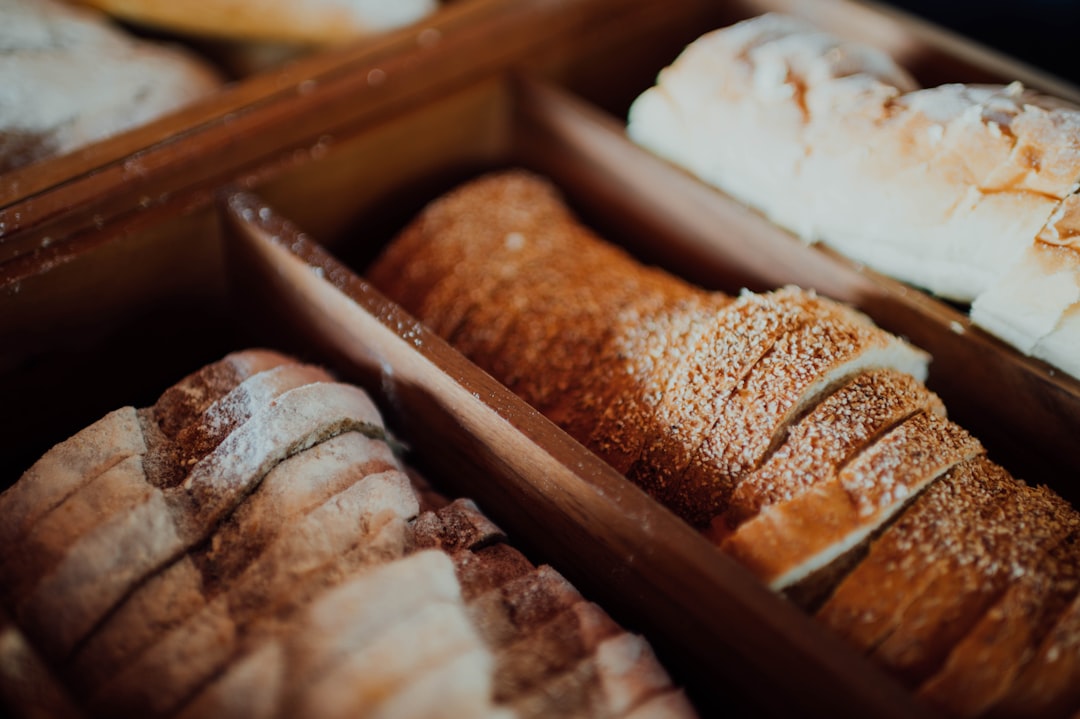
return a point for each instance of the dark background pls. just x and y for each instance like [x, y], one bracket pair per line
[1044, 33]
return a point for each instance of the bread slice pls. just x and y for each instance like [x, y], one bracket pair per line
[251, 687]
[1049, 683]
[926, 541]
[488, 568]
[931, 576]
[96, 572]
[620, 677]
[507, 613]
[981, 667]
[336, 625]
[952, 603]
[65, 468]
[788, 542]
[459, 686]
[555, 654]
[293, 488]
[825, 439]
[364, 642]
[550, 650]
[629, 675]
[112, 492]
[833, 344]
[185, 657]
[103, 505]
[124, 484]
[300, 418]
[1043, 324]
[455, 526]
[270, 619]
[702, 383]
[362, 526]
[218, 420]
[184, 402]
[104, 566]
[436, 634]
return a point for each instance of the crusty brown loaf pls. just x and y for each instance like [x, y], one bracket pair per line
[313, 586]
[841, 483]
[636, 364]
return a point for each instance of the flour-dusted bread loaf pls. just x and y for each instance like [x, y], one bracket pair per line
[251, 546]
[794, 433]
[685, 391]
[69, 77]
[308, 21]
[968, 191]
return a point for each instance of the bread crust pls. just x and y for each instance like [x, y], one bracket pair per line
[920, 545]
[292, 489]
[787, 541]
[832, 345]
[830, 435]
[983, 665]
[66, 467]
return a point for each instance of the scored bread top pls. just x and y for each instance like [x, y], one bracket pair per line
[826, 438]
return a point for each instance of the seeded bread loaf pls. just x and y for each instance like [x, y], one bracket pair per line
[789, 428]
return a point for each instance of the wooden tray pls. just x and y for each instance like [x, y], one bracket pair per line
[112, 286]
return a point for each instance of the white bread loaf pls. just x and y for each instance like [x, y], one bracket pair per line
[958, 189]
[69, 77]
[309, 21]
